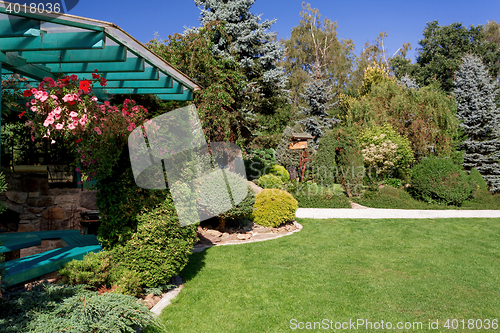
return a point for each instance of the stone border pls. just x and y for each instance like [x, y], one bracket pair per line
[171, 294]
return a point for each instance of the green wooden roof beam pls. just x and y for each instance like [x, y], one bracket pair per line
[130, 65]
[19, 28]
[148, 74]
[187, 95]
[139, 91]
[59, 41]
[162, 82]
[108, 54]
[13, 62]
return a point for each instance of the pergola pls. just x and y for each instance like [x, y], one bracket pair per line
[35, 44]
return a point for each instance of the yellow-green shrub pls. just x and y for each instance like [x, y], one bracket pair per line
[274, 207]
[280, 171]
[270, 181]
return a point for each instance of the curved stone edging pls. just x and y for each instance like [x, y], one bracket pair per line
[171, 294]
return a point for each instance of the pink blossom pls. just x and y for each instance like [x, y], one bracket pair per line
[38, 94]
[106, 103]
[98, 130]
[83, 120]
[71, 126]
[34, 108]
[59, 126]
[131, 127]
[53, 97]
[33, 102]
[32, 137]
[33, 90]
[93, 99]
[44, 96]
[73, 114]
[57, 116]
[58, 110]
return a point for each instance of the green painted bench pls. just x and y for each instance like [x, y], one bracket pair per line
[13, 242]
[28, 268]
[79, 240]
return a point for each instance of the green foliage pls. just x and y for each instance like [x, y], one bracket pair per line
[312, 195]
[304, 51]
[160, 247]
[290, 157]
[128, 281]
[120, 201]
[280, 171]
[213, 188]
[477, 181]
[479, 117]
[97, 270]
[222, 79]
[386, 150]
[441, 51]
[61, 308]
[274, 207]
[259, 162]
[394, 182]
[440, 180]
[242, 210]
[94, 270]
[270, 181]
[324, 167]
[349, 169]
[425, 116]
[3, 188]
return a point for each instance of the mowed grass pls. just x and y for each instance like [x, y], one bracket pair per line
[394, 270]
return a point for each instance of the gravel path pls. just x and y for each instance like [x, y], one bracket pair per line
[377, 213]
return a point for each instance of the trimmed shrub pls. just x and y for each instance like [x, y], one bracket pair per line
[386, 150]
[440, 180]
[261, 160]
[242, 210]
[97, 270]
[324, 167]
[270, 181]
[159, 248]
[349, 170]
[477, 180]
[280, 171]
[274, 207]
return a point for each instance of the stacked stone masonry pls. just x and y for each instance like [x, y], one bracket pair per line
[34, 207]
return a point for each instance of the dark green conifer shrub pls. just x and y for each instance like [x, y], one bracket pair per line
[274, 207]
[159, 248]
[440, 180]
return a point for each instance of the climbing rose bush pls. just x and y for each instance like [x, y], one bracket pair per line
[67, 110]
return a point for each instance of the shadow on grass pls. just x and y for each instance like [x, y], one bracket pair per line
[195, 264]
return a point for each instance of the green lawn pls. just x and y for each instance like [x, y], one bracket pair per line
[391, 270]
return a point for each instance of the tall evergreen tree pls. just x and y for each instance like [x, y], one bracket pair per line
[475, 92]
[257, 51]
[317, 96]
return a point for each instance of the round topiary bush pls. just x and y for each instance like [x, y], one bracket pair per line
[280, 171]
[274, 207]
[160, 247]
[440, 180]
[270, 181]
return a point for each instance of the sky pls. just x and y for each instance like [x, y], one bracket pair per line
[359, 20]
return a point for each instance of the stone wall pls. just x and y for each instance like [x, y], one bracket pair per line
[34, 207]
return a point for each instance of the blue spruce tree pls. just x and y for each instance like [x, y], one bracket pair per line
[257, 48]
[258, 54]
[475, 93]
[317, 96]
